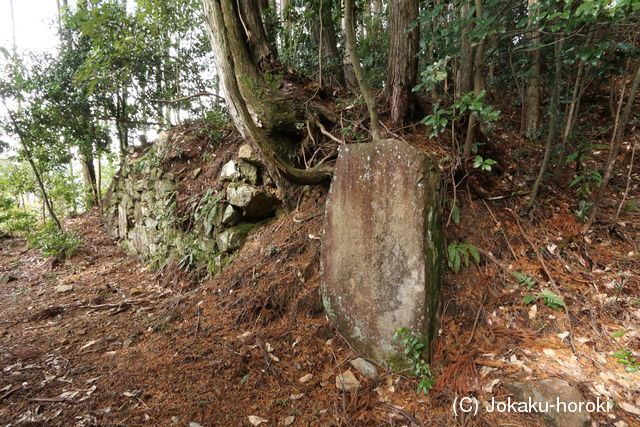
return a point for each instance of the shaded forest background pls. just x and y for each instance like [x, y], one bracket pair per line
[563, 75]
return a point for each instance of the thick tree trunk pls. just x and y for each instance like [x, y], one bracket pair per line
[89, 177]
[260, 99]
[347, 64]
[402, 68]
[531, 114]
[464, 82]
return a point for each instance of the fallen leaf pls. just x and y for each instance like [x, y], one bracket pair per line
[632, 409]
[69, 394]
[134, 393]
[256, 421]
[306, 378]
[89, 392]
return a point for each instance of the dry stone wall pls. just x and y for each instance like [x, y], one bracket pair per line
[140, 210]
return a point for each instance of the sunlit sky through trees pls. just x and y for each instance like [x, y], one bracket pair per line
[35, 24]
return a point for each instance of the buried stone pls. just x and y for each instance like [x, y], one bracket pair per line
[233, 238]
[255, 202]
[382, 248]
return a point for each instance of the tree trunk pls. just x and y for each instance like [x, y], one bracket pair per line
[402, 68]
[553, 120]
[347, 64]
[45, 197]
[99, 180]
[89, 177]
[531, 116]
[465, 62]
[619, 129]
[376, 14]
[570, 119]
[478, 86]
[325, 36]
[261, 101]
[350, 35]
[367, 18]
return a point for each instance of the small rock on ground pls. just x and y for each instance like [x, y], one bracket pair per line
[365, 368]
[346, 381]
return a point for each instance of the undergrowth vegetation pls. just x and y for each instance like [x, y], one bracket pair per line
[54, 242]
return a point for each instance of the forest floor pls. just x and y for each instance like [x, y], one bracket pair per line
[101, 339]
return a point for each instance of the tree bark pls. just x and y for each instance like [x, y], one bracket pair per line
[531, 116]
[347, 64]
[465, 62]
[620, 127]
[402, 68]
[350, 35]
[325, 36]
[260, 99]
[478, 86]
[89, 177]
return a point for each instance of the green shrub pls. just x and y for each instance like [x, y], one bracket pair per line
[461, 253]
[53, 242]
[14, 221]
[413, 348]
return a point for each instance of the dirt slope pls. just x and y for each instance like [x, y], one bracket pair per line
[127, 347]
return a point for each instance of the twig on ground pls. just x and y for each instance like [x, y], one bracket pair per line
[475, 322]
[325, 132]
[10, 392]
[402, 412]
[501, 228]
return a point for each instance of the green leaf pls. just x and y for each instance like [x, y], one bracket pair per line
[474, 253]
[477, 162]
[456, 263]
[455, 214]
[452, 249]
[618, 334]
[552, 300]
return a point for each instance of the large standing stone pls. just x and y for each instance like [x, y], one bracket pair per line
[383, 246]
